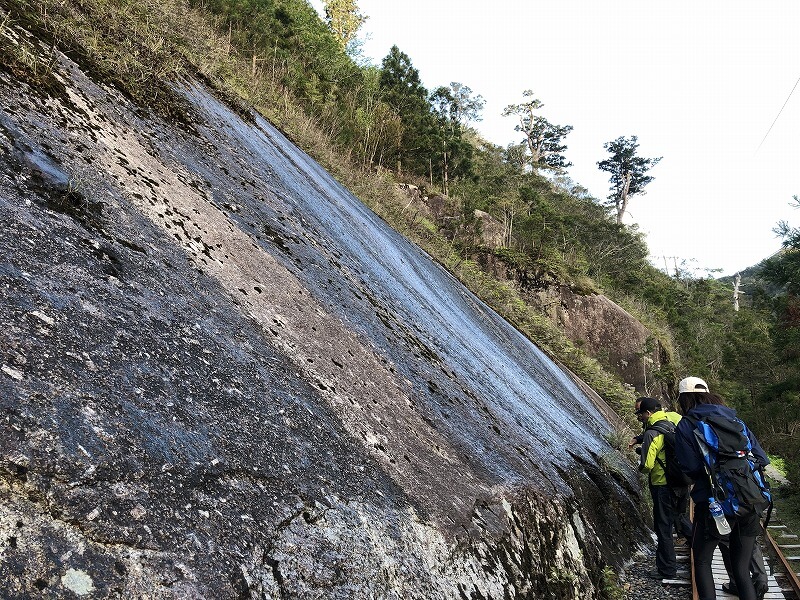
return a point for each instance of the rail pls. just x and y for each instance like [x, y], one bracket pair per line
[791, 574]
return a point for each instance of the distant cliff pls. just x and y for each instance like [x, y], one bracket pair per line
[224, 377]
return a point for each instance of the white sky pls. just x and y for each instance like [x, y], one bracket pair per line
[699, 82]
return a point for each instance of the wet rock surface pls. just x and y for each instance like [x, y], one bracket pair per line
[224, 377]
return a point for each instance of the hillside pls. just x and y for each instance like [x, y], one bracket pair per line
[114, 42]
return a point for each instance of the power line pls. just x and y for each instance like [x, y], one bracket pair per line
[776, 118]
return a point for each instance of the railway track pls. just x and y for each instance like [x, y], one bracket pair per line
[783, 547]
[781, 550]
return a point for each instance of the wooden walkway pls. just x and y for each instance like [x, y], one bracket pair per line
[721, 576]
[775, 592]
[781, 550]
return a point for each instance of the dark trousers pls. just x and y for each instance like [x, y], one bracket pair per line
[758, 571]
[680, 509]
[705, 540]
[662, 524]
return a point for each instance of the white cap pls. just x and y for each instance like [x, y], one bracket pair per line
[692, 384]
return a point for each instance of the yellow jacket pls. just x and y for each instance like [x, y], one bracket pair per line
[653, 448]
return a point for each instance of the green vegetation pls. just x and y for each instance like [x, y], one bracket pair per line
[778, 463]
[372, 126]
[610, 588]
[786, 502]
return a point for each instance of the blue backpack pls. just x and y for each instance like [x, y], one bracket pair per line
[736, 476]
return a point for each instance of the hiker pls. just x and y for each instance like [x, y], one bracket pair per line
[697, 403]
[653, 462]
[679, 493]
[672, 417]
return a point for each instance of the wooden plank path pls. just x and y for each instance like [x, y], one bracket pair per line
[783, 543]
[781, 551]
[721, 576]
[775, 591]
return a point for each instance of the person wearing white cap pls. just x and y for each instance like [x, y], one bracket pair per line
[697, 403]
[692, 384]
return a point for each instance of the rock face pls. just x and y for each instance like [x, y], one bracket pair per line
[600, 327]
[492, 232]
[224, 377]
[609, 333]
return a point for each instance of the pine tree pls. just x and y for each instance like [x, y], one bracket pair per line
[402, 90]
[628, 172]
[544, 140]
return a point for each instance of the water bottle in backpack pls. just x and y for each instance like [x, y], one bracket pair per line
[723, 527]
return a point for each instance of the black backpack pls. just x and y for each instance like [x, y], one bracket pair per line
[736, 477]
[672, 469]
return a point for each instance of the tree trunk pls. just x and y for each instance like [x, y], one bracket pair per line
[622, 199]
[445, 183]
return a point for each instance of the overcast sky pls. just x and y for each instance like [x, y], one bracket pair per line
[698, 82]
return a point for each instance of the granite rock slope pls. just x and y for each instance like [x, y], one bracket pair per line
[224, 377]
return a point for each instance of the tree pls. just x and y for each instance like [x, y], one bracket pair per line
[542, 138]
[783, 269]
[402, 89]
[344, 20]
[374, 129]
[465, 107]
[453, 108]
[628, 172]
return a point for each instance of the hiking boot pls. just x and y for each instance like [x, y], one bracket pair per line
[730, 588]
[659, 575]
[762, 587]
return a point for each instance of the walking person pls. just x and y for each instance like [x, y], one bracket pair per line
[696, 404]
[679, 494]
[652, 462]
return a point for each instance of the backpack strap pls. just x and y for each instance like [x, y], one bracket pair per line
[663, 426]
[765, 524]
[704, 451]
[667, 426]
[760, 468]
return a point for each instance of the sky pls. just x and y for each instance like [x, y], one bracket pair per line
[707, 85]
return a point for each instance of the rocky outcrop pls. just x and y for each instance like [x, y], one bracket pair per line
[224, 377]
[609, 333]
[430, 206]
[594, 323]
[491, 231]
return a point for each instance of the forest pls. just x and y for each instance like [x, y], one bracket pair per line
[374, 126]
